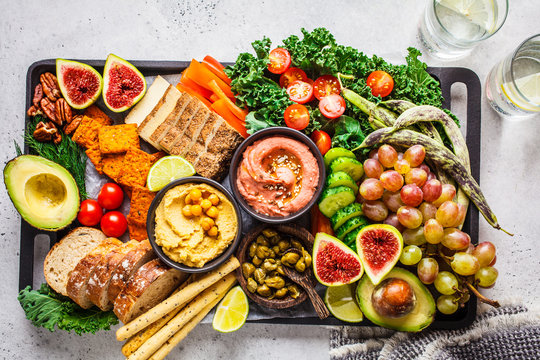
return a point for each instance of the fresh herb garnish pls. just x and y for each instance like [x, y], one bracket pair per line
[348, 133]
[67, 153]
[45, 308]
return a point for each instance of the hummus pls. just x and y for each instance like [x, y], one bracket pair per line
[182, 238]
[277, 176]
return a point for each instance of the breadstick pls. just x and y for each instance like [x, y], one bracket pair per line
[177, 300]
[189, 312]
[166, 348]
[139, 338]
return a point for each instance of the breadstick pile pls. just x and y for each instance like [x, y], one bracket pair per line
[155, 333]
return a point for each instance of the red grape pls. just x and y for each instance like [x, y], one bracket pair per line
[428, 211]
[431, 175]
[433, 231]
[387, 155]
[373, 168]
[391, 180]
[415, 155]
[432, 190]
[446, 213]
[455, 239]
[427, 270]
[416, 176]
[402, 166]
[485, 253]
[375, 210]
[447, 194]
[409, 217]
[373, 154]
[414, 236]
[411, 195]
[424, 167]
[462, 212]
[392, 219]
[392, 200]
[371, 189]
[493, 261]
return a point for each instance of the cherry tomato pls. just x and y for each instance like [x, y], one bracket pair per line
[291, 75]
[300, 92]
[297, 117]
[90, 213]
[332, 106]
[326, 85]
[380, 82]
[114, 224]
[110, 196]
[280, 60]
[322, 140]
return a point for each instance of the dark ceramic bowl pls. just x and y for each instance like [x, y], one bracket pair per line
[270, 132]
[151, 223]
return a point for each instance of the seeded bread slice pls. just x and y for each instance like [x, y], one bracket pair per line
[128, 266]
[98, 284]
[78, 277]
[152, 283]
[65, 254]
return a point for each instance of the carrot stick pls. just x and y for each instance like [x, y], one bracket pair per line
[190, 91]
[221, 108]
[239, 113]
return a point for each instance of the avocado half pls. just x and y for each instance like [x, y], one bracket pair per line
[44, 193]
[421, 316]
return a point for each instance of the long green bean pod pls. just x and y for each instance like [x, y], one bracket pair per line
[442, 157]
[382, 114]
[398, 106]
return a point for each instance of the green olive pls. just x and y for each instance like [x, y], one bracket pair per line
[259, 275]
[269, 233]
[256, 261]
[296, 244]
[281, 292]
[271, 254]
[275, 282]
[262, 251]
[284, 245]
[274, 239]
[307, 258]
[247, 269]
[280, 270]
[252, 249]
[261, 240]
[290, 259]
[294, 290]
[300, 265]
[276, 249]
[264, 290]
[251, 285]
[269, 265]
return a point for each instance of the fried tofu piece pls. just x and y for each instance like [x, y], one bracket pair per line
[172, 119]
[157, 155]
[95, 113]
[141, 198]
[224, 139]
[95, 157]
[192, 132]
[118, 139]
[86, 134]
[177, 131]
[135, 167]
[112, 165]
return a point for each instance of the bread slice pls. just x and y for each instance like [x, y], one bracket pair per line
[65, 254]
[79, 276]
[148, 102]
[98, 284]
[152, 283]
[128, 266]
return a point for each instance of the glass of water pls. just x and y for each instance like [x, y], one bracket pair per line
[513, 85]
[450, 29]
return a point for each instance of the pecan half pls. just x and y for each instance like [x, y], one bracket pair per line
[45, 132]
[33, 111]
[63, 111]
[57, 138]
[49, 108]
[73, 125]
[50, 86]
[38, 95]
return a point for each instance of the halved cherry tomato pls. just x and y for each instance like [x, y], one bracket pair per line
[300, 92]
[110, 196]
[319, 222]
[280, 60]
[322, 140]
[113, 224]
[332, 106]
[380, 82]
[90, 213]
[291, 75]
[326, 85]
[297, 116]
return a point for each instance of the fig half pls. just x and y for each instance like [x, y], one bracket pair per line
[124, 85]
[79, 83]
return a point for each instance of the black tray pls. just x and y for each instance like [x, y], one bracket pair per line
[446, 76]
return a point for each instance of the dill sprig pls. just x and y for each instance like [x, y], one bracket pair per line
[67, 154]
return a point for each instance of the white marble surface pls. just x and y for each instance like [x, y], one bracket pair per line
[180, 30]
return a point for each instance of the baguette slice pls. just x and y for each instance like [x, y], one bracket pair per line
[128, 266]
[65, 254]
[98, 284]
[152, 283]
[79, 276]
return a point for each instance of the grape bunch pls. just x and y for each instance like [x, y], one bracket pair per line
[401, 190]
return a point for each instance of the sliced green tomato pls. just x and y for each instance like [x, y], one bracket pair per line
[341, 302]
[351, 166]
[350, 238]
[334, 199]
[232, 311]
[167, 169]
[348, 212]
[336, 152]
[341, 178]
[350, 225]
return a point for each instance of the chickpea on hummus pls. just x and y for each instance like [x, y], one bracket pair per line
[277, 176]
[195, 223]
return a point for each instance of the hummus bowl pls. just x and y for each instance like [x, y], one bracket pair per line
[194, 242]
[277, 174]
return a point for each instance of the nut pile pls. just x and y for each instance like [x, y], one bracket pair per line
[264, 271]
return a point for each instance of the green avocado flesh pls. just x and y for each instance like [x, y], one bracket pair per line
[44, 193]
[419, 318]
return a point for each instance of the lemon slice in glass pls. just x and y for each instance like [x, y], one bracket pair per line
[341, 303]
[529, 87]
[232, 311]
[167, 169]
[479, 12]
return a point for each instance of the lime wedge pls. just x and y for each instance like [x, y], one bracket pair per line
[167, 169]
[232, 311]
[341, 303]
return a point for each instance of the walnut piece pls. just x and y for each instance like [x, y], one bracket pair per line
[49, 108]
[73, 125]
[50, 86]
[38, 95]
[63, 112]
[45, 132]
